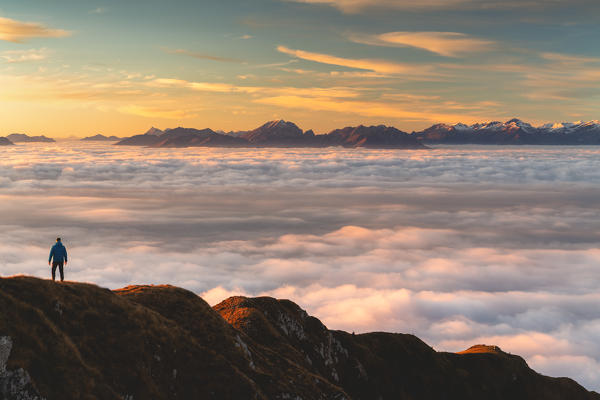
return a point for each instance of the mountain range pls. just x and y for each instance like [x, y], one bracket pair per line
[101, 138]
[23, 138]
[287, 134]
[277, 134]
[79, 341]
[514, 132]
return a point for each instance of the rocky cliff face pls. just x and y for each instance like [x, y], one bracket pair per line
[79, 341]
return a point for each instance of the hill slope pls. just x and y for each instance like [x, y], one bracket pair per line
[79, 341]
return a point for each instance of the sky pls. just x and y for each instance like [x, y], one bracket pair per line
[460, 245]
[81, 67]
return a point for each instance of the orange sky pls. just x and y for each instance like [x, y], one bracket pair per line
[78, 68]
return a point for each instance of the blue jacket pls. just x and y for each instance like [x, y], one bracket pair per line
[59, 252]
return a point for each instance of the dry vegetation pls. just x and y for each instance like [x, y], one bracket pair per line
[79, 341]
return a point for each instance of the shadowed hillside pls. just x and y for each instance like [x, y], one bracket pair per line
[79, 341]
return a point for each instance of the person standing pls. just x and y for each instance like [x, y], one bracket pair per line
[58, 258]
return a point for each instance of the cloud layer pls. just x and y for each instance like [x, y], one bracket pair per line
[459, 245]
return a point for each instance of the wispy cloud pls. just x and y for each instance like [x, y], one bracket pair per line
[99, 10]
[19, 56]
[19, 32]
[156, 112]
[569, 58]
[381, 109]
[380, 66]
[202, 86]
[201, 56]
[449, 44]
[330, 92]
[354, 6]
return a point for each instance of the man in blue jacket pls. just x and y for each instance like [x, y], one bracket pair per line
[58, 257]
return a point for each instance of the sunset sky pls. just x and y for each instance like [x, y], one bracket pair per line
[78, 67]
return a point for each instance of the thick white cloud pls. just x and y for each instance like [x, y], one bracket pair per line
[462, 245]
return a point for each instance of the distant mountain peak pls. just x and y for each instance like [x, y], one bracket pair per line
[461, 126]
[100, 137]
[21, 137]
[279, 124]
[514, 131]
[154, 132]
[518, 123]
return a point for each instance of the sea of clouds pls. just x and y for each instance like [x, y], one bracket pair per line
[458, 245]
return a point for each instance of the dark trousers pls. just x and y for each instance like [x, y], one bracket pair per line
[58, 264]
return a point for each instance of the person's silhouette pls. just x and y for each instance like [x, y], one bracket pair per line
[58, 258]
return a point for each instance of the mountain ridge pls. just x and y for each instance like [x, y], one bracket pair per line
[513, 132]
[101, 137]
[24, 138]
[80, 341]
[280, 133]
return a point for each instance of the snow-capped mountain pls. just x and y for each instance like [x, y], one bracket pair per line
[514, 131]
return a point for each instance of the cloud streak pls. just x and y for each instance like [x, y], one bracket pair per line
[156, 112]
[380, 66]
[19, 32]
[20, 56]
[203, 56]
[449, 44]
[355, 6]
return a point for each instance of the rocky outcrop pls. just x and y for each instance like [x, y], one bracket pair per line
[5, 142]
[14, 385]
[391, 366]
[79, 341]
